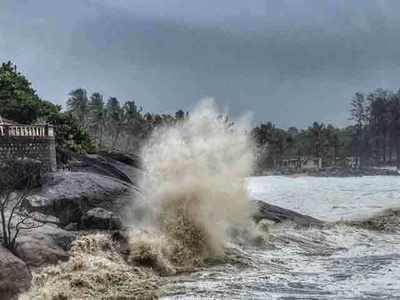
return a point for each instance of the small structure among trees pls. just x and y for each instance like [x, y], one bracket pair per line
[19, 141]
[299, 164]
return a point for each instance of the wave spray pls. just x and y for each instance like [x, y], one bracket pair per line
[195, 190]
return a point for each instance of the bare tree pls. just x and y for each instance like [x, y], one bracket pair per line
[16, 181]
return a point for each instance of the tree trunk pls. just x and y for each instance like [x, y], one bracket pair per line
[397, 152]
[4, 227]
[384, 146]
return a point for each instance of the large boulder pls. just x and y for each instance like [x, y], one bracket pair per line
[68, 195]
[99, 218]
[120, 166]
[14, 275]
[263, 210]
[386, 221]
[44, 245]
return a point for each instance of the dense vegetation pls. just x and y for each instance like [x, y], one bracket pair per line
[20, 103]
[372, 140]
[115, 125]
[90, 122]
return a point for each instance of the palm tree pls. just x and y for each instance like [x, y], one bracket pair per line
[77, 104]
[131, 113]
[316, 132]
[96, 116]
[359, 113]
[114, 117]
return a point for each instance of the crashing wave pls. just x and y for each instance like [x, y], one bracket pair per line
[387, 221]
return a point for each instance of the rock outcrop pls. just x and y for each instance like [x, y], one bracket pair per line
[99, 218]
[263, 210]
[387, 221]
[44, 245]
[68, 195]
[14, 275]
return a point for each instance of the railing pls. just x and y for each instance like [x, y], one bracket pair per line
[27, 130]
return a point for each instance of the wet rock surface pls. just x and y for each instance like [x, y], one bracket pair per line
[388, 221]
[14, 275]
[263, 210]
[44, 245]
[67, 195]
[100, 218]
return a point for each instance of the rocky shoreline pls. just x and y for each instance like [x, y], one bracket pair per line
[88, 197]
[335, 172]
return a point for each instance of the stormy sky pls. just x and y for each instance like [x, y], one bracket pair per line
[286, 61]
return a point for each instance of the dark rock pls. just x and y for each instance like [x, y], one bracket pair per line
[387, 221]
[114, 165]
[44, 245]
[263, 210]
[14, 275]
[67, 195]
[45, 219]
[99, 218]
[127, 159]
[100, 165]
[71, 227]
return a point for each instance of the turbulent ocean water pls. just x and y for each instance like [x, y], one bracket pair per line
[337, 262]
[191, 235]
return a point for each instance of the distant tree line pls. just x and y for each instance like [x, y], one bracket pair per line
[91, 122]
[113, 125]
[331, 144]
[377, 126]
[373, 139]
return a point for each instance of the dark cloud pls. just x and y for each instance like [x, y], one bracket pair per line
[290, 62]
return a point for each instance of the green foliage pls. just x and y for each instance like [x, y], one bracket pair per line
[77, 105]
[114, 125]
[19, 101]
[69, 133]
[318, 140]
[377, 117]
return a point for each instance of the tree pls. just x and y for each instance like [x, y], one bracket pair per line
[180, 115]
[316, 134]
[114, 117]
[16, 180]
[358, 113]
[77, 104]
[96, 117]
[19, 101]
[131, 113]
[379, 121]
[69, 133]
[394, 123]
[331, 143]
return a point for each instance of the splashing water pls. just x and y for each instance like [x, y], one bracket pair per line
[195, 193]
[95, 270]
[194, 188]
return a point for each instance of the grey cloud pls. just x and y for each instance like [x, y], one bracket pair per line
[290, 62]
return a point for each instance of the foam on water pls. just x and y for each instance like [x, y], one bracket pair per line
[195, 196]
[330, 199]
[337, 262]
